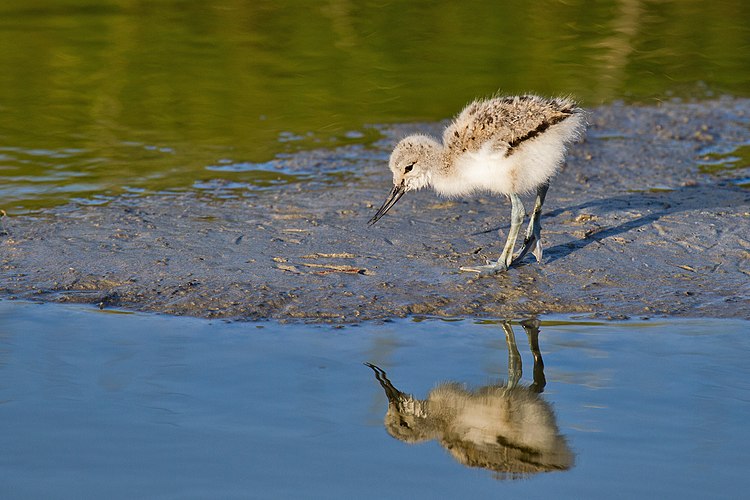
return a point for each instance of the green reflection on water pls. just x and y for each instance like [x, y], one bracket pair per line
[723, 162]
[110, 96]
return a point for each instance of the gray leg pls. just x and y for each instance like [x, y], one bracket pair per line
[516, 219]
[534, 232]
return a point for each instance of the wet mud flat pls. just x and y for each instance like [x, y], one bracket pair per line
[632, 226]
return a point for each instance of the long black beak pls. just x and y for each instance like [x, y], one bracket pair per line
[396, 193]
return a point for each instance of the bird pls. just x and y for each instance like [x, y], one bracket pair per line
[507, 145]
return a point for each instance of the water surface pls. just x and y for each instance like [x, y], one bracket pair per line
[104, 404]
[105, 97]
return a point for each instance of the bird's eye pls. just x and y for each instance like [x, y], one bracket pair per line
[408, 168]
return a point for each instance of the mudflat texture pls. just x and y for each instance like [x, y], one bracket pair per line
[631, 227]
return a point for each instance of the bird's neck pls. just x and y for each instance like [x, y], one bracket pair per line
[444, 178]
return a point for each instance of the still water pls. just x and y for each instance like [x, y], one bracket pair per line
[104, 97]
[111, 405]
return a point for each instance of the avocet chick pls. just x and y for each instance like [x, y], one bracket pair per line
[503, 145]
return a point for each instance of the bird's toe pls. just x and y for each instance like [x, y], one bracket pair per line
[537, 251]
[486, 270]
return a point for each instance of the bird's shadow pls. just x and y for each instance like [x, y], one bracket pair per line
[658, 204]
[564, 249]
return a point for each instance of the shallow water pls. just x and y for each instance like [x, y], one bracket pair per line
[107, 97]
[107, 404]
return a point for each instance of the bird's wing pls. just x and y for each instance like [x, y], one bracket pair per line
[504, 123]
[475, 127]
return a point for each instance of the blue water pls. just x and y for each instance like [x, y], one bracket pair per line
[98, 404]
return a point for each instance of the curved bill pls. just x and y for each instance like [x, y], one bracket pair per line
[396, 193]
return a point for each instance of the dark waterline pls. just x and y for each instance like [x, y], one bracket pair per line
[105, 404]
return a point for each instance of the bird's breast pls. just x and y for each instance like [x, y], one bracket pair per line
[484, 170]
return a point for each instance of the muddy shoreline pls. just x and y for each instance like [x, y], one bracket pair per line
[632, 228]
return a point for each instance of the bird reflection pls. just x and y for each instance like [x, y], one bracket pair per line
[507, 428]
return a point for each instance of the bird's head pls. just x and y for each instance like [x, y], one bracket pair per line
[412, 163]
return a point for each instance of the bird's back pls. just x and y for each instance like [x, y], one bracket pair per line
[507, 122]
